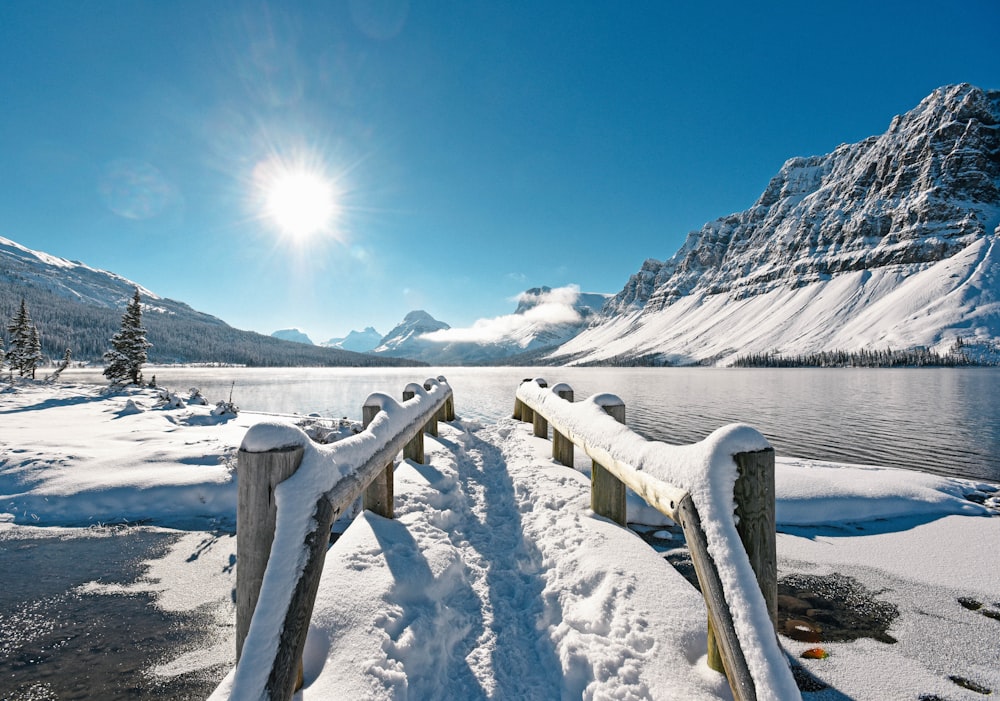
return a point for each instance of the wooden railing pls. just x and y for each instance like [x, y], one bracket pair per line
[279, 503]
[621, 458]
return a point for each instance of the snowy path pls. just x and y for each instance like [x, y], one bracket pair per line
[496, 582]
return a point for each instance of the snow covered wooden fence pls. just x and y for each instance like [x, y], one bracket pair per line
[290, 491]
[720, 491]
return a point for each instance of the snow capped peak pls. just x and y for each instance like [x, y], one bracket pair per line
[419, 316]
[405, 339]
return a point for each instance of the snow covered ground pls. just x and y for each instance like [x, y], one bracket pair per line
[496, 581]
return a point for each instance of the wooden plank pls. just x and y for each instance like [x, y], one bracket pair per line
[734, 664]
[285, 676]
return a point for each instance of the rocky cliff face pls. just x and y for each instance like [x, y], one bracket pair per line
[891, 240]
[917, 194]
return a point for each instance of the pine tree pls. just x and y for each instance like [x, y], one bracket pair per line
[25, 343]
[128, 347]
[33, 358]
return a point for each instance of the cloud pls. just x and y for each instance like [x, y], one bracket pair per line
[544, 310]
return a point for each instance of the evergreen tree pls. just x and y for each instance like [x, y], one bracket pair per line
[33, 358]
[25, 343]
[128, 347]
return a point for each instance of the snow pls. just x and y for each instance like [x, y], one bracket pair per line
[496, 580]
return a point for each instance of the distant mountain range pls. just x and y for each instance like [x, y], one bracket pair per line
[80, 308]
[543, 319]
[890, 243]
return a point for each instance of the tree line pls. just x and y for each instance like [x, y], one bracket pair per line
[865, 358]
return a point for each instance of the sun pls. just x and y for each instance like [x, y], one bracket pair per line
[300, 201]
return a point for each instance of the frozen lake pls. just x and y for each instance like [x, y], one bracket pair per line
[941, 420]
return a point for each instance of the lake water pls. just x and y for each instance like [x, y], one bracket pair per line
[940, 420]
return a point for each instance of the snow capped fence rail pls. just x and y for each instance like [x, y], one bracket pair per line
[720, 491]
[290, 493]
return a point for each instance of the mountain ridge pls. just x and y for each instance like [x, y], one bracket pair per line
[879, 211]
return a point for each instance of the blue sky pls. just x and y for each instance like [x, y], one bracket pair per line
[475, 148]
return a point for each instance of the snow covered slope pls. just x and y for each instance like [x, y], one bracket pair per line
[890, 242]
[76, 282]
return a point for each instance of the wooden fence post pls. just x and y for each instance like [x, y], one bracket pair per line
[540, 425]
[432, 423]
[754, 497]
[257, 476]
[607, 492]
[378, 496]
[519, 405]
[562, 447]
[414, 450]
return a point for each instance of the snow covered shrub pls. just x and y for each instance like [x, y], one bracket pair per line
[196, 397]
[168, 400]
[131, 408]
[225, 408]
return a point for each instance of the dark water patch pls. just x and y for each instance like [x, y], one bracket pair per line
[832, 608]
[60, 643]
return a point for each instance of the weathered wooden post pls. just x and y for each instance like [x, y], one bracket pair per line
[257, 476]
[607, 492]
[378, 496]
[562, 447]
[414, 450]
[432, 423]
[754, 494]
[539, 425]
[448, 408]
[519, 405]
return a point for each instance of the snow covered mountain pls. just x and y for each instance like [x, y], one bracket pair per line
[544, 318]
[890, 242]
[357, 341]
[79, 307]
[405, 339]
[293, 335]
